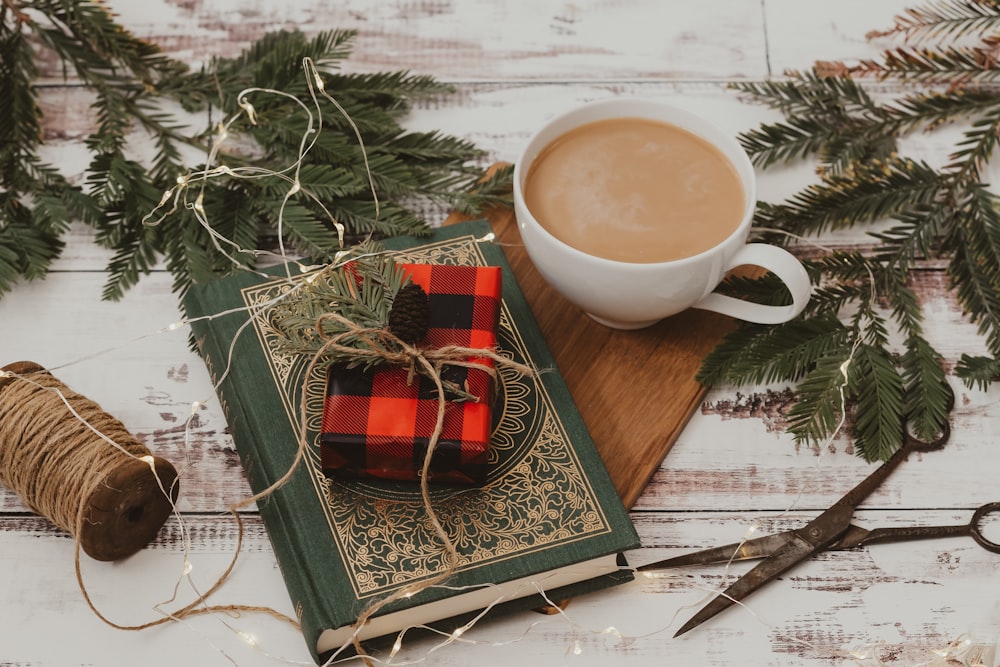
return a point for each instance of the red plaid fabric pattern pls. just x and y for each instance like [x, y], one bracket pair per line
[375, 425]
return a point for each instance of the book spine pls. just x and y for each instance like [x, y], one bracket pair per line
[255, 466]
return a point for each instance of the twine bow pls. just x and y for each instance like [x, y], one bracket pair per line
[381, 345]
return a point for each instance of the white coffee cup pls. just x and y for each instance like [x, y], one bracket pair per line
[626, 295]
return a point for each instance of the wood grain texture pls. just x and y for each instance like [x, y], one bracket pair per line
[636, 390]
[616, 39]
[733, 467]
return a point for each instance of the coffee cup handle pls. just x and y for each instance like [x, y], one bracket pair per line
[776, 260]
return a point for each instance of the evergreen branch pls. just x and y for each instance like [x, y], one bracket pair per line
[134, 83]
[20, 127]
[905, 305]
[929, 110]
[362, 291]
[818, 408]
[914, 238]
[798, 137]
[955, 65]
[928, 398]
[493, 191]
[978, 371]
[867, 193]
[386, 86]
[27, 245]
[877, 388]
[945, 19]
[808, 94]
[85, 36]
[844, 265]
[783, 353]
[945, 213]
[831, 299]
[975, 149]
[831, 117]
[869, 324]
[974, 269]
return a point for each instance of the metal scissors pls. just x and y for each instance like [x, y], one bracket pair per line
[853, 538]
[831, 529]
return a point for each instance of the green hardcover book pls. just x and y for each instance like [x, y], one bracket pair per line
[548, 517]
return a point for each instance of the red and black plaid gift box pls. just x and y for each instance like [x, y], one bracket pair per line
[376, 425]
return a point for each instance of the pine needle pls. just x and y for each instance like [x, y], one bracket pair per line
[135, 85]
[842, 351]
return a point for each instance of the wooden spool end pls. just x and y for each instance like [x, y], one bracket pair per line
[129, 507]
[127, 511]
[20, 368]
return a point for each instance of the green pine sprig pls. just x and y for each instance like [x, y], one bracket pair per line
[137, 88]
[361, 288]
[407, 169]
[858, 353]
[938, 20]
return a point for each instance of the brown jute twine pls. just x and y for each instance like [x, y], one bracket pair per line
[383, 345]
[80, 467]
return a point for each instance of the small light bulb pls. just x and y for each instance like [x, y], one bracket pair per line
[195, 407]
[187, 567]
[860, 653]
[248, 638]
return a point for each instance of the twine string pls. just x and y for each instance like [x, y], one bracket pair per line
[53, 463]
[382, 344]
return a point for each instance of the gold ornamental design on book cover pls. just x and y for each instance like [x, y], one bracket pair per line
[537, 494]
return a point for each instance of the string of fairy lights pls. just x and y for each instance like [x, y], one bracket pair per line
[966, 649]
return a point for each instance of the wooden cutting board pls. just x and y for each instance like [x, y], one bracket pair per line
[636, 390]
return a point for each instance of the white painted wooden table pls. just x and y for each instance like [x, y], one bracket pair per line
[513, 64]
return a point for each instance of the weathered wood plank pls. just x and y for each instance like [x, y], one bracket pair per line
[478, 40]
[734, 466]
[811, 616]
[734, 453]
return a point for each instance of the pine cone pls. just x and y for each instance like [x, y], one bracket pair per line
[408, 315]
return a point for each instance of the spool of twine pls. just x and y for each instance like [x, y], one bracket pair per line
[73, 463]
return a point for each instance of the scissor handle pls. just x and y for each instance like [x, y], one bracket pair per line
[976, 527]
[841, 511]
[914, 444]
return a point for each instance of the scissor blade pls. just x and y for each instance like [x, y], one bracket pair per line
[853, 537]
[796, 549]
[746, 550]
